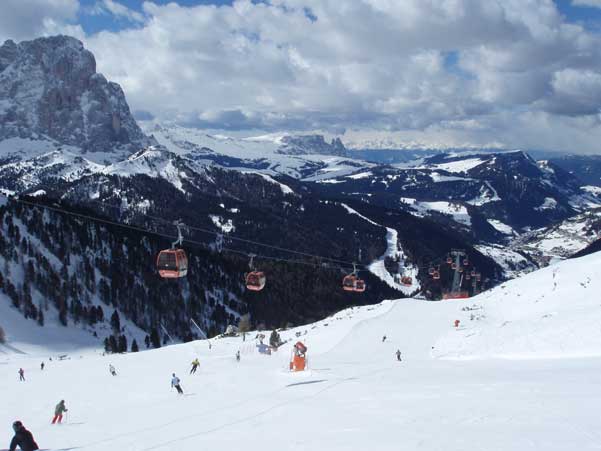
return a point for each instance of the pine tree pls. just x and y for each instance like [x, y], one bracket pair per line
[107, 344]
[116, 322]
[40, 317]
[62, 315]
[147, 341]
[134, 346]
[114, 346]
[122, 344]
[155, 339]
[2, 336]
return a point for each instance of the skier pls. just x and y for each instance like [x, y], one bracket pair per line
[42, 366]
[195, 364]
[58, 412]
[175, 382]
[21, 374]
[457, 323]
[238, 355]
[398, 355]
[112, 370]
[383, 338]
[23, 439]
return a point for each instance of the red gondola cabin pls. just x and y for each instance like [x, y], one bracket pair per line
[255, 280]
[172, 263]
[348, 283]
[359, 285]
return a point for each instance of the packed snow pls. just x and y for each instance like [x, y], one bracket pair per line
[519, 373]
[458, 166]
[406, 269]
[501, 227]
[455, 210]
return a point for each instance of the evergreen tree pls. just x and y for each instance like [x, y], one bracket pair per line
[62, 315]
[122, 344]
[134, 346]
[155, 339]
[147, 341]
[107, 345]
[113, 345]
[40, 317]
[116, 322]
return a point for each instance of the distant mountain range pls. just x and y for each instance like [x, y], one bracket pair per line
[69, 142]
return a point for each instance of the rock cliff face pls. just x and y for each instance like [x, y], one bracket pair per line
[311, 144]
[49, 88]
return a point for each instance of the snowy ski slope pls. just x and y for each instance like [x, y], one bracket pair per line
[523, 374]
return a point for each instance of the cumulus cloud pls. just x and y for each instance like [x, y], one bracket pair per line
[24, 19]
[466, 71]
[589, 3]
[117, 10]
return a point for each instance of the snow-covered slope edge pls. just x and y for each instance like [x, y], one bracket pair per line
[551, 313]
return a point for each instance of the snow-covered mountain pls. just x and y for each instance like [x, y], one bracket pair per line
[50, 90]
[493, 197]
[298, 156]
[299, 192]
[519, 372]
[561, 240]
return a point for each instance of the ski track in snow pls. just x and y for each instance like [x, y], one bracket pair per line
[393, 250]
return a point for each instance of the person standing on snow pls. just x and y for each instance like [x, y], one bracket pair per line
[238, 355]
[42, 366]
[21, 374]
[112, 370]
[398, 355]
[383, 338]
[175, 382]
[58, 412]
[23, 439]
[195, 364]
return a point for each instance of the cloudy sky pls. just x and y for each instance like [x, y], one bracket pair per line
[436, 73]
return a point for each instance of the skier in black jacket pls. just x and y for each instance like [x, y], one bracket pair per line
[22, 439]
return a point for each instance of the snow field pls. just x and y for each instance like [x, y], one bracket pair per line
[451, 392]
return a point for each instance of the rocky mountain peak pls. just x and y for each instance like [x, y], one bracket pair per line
[49, 88]
[311, 144]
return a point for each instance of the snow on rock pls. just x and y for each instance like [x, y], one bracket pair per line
[513, 263]
[457, 211]
[548, 204]
[487, 194]
[225, 226]
[501, 227]
[285, 188]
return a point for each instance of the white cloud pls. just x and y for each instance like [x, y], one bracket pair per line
[590, 3]
[24, 19]
[466, 71]
[116, 9]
